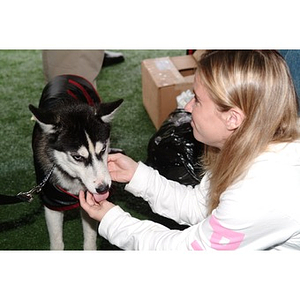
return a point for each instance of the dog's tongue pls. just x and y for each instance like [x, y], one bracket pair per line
[100, 197]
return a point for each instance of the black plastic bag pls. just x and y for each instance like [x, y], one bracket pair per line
[174, 151]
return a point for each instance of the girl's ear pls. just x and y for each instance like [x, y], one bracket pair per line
[234, 118]
[107, 110]
[46, 120]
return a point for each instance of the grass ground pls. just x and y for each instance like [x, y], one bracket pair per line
[22, 226]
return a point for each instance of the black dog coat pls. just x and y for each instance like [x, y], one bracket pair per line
[64, 86]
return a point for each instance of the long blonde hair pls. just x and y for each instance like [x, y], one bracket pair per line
[259, 83]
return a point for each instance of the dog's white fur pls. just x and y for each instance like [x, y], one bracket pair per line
[92, 177]
[54, 220]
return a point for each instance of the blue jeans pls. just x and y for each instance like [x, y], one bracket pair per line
[292, 57]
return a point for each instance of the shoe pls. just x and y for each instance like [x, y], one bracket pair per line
[112, 58]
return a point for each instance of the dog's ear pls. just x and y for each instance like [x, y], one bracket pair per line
[45, 119]
[107, 110]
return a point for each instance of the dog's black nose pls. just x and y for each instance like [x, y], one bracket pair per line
[103, 188]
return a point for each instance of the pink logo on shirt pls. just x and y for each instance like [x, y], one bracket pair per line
[221, 238]
[195, 245]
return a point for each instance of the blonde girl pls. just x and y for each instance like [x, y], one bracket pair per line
[245, 111]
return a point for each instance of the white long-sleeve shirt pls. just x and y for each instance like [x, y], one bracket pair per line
[261, 211]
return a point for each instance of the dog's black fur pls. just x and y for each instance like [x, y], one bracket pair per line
[70, 116]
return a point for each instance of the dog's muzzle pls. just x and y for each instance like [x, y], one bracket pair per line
[102, 189]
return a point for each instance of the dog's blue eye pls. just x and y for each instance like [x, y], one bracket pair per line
[103, 150]
[78, 157]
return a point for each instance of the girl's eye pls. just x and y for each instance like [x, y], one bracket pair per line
[197, 101]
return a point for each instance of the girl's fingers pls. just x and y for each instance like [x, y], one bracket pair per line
[82, 199]
[86, 201]
[90, 199]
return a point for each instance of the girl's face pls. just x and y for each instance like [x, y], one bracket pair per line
[210, 126]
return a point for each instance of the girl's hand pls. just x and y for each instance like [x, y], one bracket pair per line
[96, 210]
[121, 167]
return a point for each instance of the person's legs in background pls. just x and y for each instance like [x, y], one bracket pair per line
[292, 57]
[84, 63]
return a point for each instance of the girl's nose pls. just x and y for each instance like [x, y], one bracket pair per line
[189, 106]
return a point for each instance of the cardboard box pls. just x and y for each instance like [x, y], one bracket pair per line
[163, 79]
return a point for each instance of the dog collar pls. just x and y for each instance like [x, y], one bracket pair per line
[56, 198]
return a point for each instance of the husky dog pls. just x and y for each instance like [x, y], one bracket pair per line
[70, 144]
